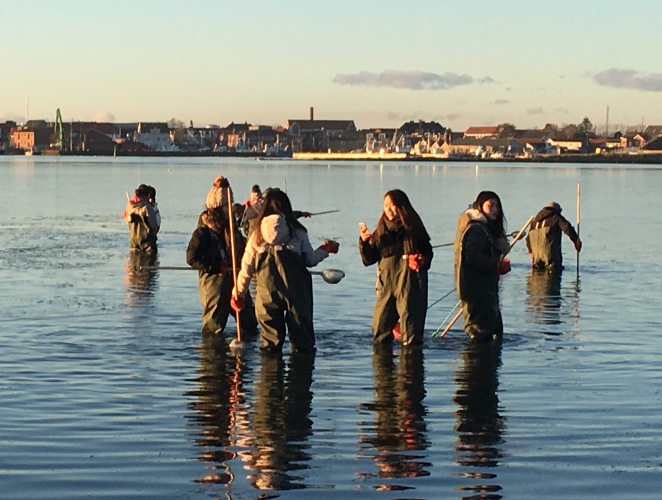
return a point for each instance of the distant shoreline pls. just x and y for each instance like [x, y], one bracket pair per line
[644, 159]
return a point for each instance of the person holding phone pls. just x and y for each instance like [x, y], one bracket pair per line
[400, 246]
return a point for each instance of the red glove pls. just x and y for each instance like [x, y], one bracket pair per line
[330, 246]
[504, 266]
[237, 303]
[415, 261]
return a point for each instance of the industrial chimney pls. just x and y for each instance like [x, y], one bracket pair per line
[311, 114]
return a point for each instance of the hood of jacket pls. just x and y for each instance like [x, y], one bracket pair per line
[546, 212]
[469, 216]
[135, 204]
[275, 230]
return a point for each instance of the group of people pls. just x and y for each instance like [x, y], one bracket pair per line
[274, 250]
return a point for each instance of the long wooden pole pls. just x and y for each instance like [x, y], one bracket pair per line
[234, 258]
[512, 244]
[578, 219]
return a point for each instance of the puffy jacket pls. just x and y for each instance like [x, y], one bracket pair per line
[276, 234]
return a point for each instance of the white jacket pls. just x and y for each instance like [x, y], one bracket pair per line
[275, 233]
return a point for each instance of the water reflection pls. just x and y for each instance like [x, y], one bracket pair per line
[479, 426]
[399, 427]
[220, 411]
[141, 284]
[281, 422]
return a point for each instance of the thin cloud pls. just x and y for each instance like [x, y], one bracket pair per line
[502, 101]
[562, 110]
[103, 117]
[535, 111]
[411, 80]
[9, 116]
[487, 79]
[451, 117]
[629, 79]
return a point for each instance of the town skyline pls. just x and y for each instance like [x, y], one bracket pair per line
[377, 63]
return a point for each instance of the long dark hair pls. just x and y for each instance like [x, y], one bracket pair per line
[276, 202]
[496, 227]
[406, 214]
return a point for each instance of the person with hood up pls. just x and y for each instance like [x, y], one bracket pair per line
[544, 238]
[401, 248]
[142, 220]
[209, 252]
[480, 247]
[278, 253]
[252, 208]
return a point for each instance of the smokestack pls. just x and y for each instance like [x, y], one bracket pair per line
[311, 114]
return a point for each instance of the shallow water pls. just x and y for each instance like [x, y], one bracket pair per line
[108, 389]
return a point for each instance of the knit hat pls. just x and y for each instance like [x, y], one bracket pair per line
[554, 205]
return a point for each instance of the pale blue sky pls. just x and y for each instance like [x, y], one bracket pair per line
[474, 62]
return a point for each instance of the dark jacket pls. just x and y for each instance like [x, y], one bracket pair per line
[207, 250]
[477, 257]
[371, 252]
[544, 238]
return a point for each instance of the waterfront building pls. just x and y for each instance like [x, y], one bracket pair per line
[155, 135]
[481, 132]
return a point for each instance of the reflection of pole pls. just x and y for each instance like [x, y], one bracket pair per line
[578, 200]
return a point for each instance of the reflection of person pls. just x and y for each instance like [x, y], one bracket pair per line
[544, 238]
[209, 252]
[401, 248]
[544, 296]
[479, 247]
[281, 422]
[218, 401]
[399, 425]
[278, 253]
[479, 425]
[140, 282]
[142, 220]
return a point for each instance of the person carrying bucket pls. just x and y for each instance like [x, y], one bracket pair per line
[544, 238]
[278, 253]
[400, 246]
[209, 252]
[480, 245]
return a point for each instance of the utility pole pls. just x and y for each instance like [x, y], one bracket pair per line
[26, 109]
[607, 128]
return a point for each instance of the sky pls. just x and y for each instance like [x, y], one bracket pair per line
[378, 62]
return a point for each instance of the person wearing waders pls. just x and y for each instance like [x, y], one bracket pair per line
[401, 248]
[142, 220]
[480, 247]
[544, 238]
[209, 252]
[278, 253]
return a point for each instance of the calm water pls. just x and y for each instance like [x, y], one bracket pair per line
[108, 389]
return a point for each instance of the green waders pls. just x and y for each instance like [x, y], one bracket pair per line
[284, 297]
[141, 237]
[482, 321]
[545, 244]
[401, 293]
[215, 293]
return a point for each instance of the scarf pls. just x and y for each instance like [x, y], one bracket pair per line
[394, 239]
